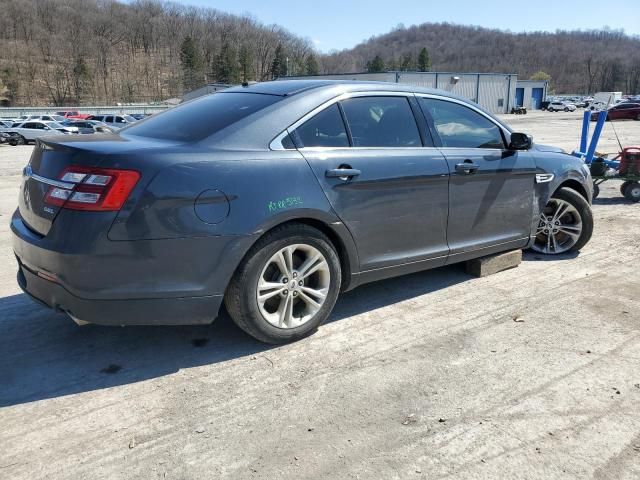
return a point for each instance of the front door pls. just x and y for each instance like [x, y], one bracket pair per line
[389, 190]
[491, 188]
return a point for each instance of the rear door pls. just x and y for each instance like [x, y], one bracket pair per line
[29, 130]
[491, 189]
[384, 179]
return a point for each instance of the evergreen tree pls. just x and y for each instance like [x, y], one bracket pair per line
[192, 64]
[80, 77]
[279, 65]
[245, 59]
[311, 65]
[376, 65]
[424, 61]
[226, 68]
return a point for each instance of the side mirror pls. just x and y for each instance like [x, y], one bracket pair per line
[520, 141]
[47, 128]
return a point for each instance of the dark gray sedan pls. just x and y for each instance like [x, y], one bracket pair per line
[273, 198]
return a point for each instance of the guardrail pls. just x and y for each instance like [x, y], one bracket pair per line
[13, 112]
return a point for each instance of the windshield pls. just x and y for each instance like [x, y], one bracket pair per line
[53, 124]
[201, 118]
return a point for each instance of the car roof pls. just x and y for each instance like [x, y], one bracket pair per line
[294, 87]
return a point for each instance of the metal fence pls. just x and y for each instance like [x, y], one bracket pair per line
[14, 112]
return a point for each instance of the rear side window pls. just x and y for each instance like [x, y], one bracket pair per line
[381, 122]
[201, 118]
[459, 126]
[325, 129]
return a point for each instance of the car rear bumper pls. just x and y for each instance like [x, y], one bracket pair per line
[155, 311]
[76, 269]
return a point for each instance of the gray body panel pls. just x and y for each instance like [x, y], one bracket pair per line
[401, 190]
[168, 255]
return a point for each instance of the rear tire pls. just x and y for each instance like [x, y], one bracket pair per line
[272, 297]
[632, 192]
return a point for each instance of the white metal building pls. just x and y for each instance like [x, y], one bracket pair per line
[493, 91]
[531, 93]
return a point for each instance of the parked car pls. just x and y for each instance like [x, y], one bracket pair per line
[46, 118]
[561, 106]
[114, 121]
[88, 126]
[11, 138]
[275, 197]
[34, 129]
[140, 116]
[73, 114]
[621, 111]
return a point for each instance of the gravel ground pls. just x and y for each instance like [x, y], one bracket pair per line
[529, 373]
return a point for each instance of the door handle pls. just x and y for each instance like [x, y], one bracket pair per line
[467, 167]
[343, 173]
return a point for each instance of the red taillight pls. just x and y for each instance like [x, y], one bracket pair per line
[96, 189]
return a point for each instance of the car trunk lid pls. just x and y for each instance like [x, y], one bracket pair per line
[49, 159]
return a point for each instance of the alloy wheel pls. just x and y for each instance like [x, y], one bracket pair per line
[293, 286]
[559, 227]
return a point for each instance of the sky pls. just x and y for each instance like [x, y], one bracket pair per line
[336, 25]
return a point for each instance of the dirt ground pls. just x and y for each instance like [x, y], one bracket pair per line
[530, 373]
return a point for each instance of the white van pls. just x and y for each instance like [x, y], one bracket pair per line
[604, 100]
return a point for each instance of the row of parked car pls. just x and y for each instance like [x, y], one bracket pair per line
[625, 110]
[25, 129]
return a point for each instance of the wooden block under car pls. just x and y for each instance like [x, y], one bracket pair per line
[483, 266]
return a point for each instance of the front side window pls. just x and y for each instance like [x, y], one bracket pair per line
[462, 127]
[325, 129]
[381, 122]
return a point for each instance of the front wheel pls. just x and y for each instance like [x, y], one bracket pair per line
[565, 224]
[623, 186]
[286, 286]
[566, 109]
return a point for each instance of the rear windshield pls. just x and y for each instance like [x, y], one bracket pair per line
[201, 118]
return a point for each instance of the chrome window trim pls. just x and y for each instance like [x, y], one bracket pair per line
[276, 143]
[324, 149]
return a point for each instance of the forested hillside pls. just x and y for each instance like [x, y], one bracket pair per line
[68, 52]
[81, 52]
[577, 61]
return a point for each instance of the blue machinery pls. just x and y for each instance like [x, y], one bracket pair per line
[587, 153]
